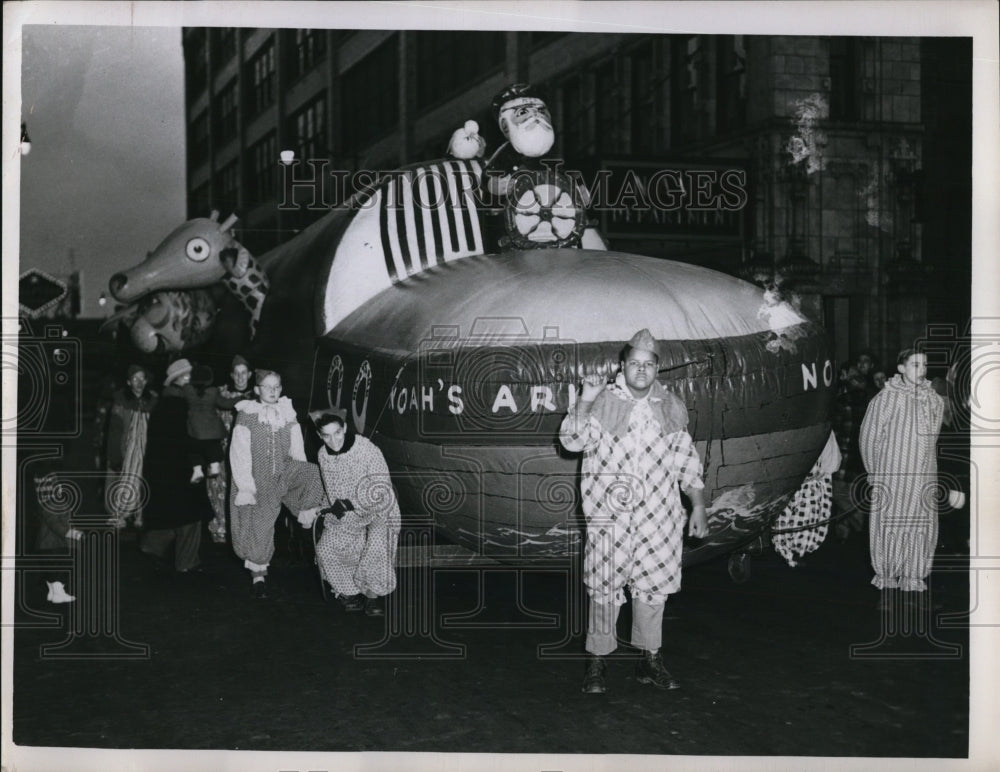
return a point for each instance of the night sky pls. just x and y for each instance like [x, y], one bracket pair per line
[105, 177]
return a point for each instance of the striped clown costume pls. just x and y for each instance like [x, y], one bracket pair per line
[898, 446]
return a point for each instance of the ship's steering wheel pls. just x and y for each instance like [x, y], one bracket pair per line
[544, 208]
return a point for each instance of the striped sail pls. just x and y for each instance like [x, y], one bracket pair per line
[428, 215]
[414, 219]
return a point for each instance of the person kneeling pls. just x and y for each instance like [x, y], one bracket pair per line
[357, 551]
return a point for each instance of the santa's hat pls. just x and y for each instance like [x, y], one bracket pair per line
[520, 91]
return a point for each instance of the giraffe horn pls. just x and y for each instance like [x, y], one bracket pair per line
[214, 215]
[230, 221]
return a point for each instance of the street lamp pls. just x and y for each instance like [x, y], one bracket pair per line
[287, 156]
[25, 140]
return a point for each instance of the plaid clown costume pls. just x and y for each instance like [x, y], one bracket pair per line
[801, 528]
[637, 452]
[357, 554]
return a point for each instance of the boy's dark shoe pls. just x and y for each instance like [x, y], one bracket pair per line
[593, 680]
[353, 602]
[373, 607]
[650, 670]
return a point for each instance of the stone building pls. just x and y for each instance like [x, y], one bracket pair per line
[848, 158]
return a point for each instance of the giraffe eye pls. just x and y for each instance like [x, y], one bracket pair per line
[197, 249]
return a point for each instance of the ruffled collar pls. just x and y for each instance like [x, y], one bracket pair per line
[229, 391]
[614, 411]
[922, 390]
[277, 415]
[621, 390]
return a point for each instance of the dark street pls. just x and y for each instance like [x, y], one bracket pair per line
[766, 667]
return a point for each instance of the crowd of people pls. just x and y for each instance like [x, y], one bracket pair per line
[233, 456]
[227, 458]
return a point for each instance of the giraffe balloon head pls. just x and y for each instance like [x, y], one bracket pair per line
[194, 255]
[168, 320]
[162, 292]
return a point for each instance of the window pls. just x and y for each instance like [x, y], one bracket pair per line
[199, 138]
[845, 85]
[539, 39]
[577, 119]
[370, 106]
[223, 45]
[688, 89]
[225, 113]
[229, 187]
[262, 163]
[308, 128]
[261, 69]
[264, 235]
[646, 81]
[448, 62]
[732, 99]
[607, 95]
[307, 50]
[196, 62]
[200, 202]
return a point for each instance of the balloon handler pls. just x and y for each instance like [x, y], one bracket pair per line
[637, 454]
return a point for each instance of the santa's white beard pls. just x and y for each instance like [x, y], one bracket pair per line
[532, 139]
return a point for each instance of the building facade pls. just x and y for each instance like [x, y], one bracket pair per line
[852, 155]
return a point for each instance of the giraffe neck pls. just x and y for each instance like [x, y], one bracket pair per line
[251, 290]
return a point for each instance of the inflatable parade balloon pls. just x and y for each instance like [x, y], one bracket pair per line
[170, 320]
[459, 354]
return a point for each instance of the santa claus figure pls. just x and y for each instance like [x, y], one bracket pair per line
[524, 119]
[526, 123]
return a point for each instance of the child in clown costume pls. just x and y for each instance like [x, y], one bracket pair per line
[236, 390]
[637, 456]
[126, 446]
[357, 551]
[269, 468]
[898, 441]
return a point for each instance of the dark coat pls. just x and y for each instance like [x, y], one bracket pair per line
[173, 500]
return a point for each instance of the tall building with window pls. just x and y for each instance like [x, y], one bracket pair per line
[848, 158]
